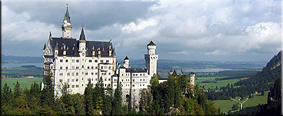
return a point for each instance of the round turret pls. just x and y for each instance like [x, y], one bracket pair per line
[151, 48]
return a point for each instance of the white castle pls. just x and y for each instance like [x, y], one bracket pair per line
[75, 62]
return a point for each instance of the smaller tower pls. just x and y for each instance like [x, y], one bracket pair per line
[151, 59]
[66, 27]
[82, 44]
[192, 78]
[126, 62]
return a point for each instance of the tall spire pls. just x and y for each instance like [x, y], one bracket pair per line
[82, 37]
[67, 17]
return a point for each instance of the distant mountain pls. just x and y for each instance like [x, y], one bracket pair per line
[20, 59]
[268, 74]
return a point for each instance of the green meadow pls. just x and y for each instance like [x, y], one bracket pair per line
[226, 105]
[24, 82]
[219, 84]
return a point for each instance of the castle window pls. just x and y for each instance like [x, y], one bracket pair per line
[109, 67]
[143, 79]
[66, 60]
[77, 86]
[77, 67]
[67, 48]
[109, 79]
[72, 80]
[82, 84]
[73, 48]
[115, 80]
[77, 60]
[101, 67]
[74, 44]
[77, 74]
[61, 80]
[95, 73]
[133, 80]
[142, 84]
[91, 67]
[68, 74]
[90, 61]
[61, 60]
[96, 67]
[101, 61]
[82, 66]
[95, 60]
[68, 80]
[62, 48]
[66, 67]
[107, 61]
[61, 74]
[88, 67]
[86, 73]
[133, 85]
[92, 73]
[109, 73]
[73, 86]
[77, 80]
[61, 67]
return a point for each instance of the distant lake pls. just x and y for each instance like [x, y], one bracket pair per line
[206, 70]
[10, 65]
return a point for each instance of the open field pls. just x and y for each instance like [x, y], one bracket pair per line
[257, 99]
[24, 82]
[226, 105]
[20, 70]
[219, 84]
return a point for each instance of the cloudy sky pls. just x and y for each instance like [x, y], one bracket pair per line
[197, 30]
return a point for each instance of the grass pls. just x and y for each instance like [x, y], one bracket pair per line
[257, 99]
[20, 70]
[24, 82]
[226, 105]
[219, 84]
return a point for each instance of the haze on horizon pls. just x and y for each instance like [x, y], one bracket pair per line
[205, 30]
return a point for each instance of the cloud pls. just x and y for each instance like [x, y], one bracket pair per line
[198, 29]
[140, 25]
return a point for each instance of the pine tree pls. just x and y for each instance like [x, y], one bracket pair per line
[117, 102]
[88, 99]
[7, 94]
[47, 94]
[17, 90]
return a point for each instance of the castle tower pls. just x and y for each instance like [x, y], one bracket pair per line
[66, 27]
[126, 62]
[151, 59]
[82, 44]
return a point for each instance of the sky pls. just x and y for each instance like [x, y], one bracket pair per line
[189, 30]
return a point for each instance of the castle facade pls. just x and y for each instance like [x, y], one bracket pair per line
[76, 62]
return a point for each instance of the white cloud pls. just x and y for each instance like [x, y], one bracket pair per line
[140, 25]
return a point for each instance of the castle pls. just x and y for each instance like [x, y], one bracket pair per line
[75, 62]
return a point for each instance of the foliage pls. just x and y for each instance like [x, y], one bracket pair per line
[117, 102]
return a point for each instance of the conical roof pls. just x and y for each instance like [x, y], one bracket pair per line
[67, 17]
[150, 43]
[82, 37]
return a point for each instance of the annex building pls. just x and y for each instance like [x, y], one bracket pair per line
[76, 61]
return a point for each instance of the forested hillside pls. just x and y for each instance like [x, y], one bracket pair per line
[260, 82]
[160, 99]
[268, 74]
